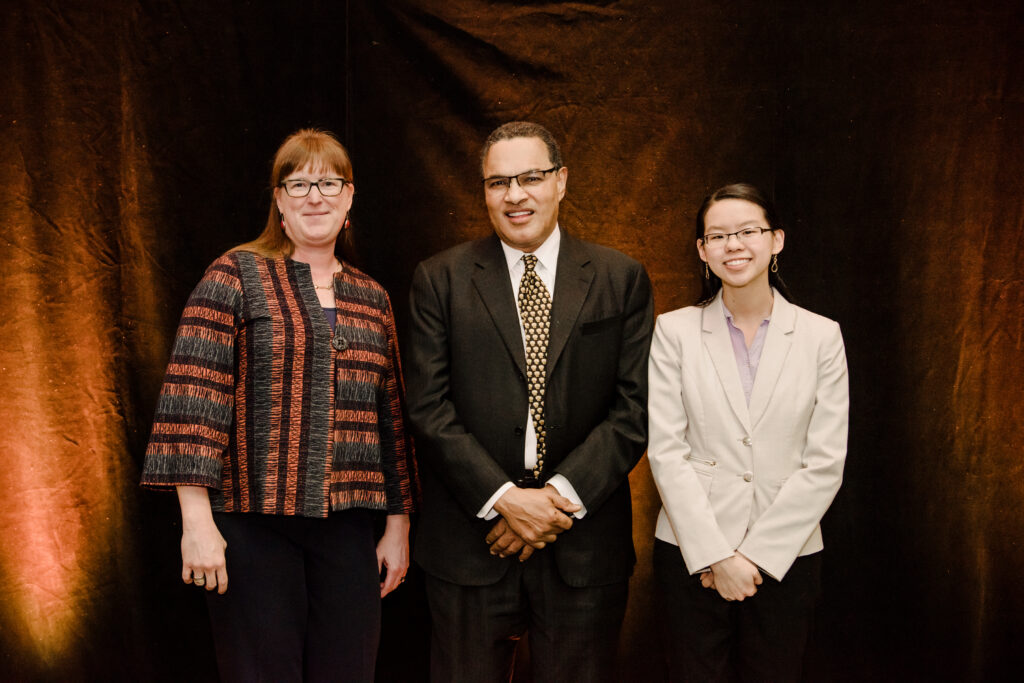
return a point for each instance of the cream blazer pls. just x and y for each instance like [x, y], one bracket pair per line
[731, 478]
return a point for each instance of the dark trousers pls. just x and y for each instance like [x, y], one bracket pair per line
[709, 639]
[573, 632]
[303, 598]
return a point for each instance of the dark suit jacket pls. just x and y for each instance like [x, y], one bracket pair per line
[468, 401]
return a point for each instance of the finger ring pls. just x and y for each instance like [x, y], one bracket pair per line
[199, 580]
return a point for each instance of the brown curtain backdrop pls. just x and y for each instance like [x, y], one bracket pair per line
[136, 139]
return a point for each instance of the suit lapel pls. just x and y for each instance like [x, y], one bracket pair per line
[572, 283]
[719, 345]
[492, 283]
[777, 343]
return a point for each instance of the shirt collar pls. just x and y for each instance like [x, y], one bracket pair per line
[547, 253]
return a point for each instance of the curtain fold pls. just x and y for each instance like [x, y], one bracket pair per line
[135, 143]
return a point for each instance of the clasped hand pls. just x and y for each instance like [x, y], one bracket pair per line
[735, 578]
[530, 519]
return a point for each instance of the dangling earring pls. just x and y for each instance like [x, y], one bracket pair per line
[282, 223]
[707, 273]
[775, 263]
[346, 224]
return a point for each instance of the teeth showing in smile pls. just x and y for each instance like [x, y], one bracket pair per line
[516, 214]
[736, 261]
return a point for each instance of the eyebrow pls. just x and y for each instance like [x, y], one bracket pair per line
[512, 175]
[318, 176]
[720, 228]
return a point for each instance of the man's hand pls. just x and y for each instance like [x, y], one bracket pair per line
[735, 577]
[505, 542]
[537, 516]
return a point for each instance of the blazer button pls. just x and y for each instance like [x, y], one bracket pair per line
[747, 442]
[748, 476]
[519, 431]
[339, 342]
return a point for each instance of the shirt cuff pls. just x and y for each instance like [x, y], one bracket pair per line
[488, 511]
[565, 488]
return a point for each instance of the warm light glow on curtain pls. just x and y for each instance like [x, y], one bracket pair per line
[135, 138]
[67, 478]
[62, 439]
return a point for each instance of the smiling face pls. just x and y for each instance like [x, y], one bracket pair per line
[313, 221]
[739, 263]
[523, 217]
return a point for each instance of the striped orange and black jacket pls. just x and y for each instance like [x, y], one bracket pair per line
[272, 410]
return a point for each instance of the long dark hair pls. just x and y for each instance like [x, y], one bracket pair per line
[712, 283]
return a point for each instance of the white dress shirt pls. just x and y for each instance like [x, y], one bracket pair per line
[547, 264]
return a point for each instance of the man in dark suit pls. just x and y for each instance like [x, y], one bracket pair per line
[528, 387]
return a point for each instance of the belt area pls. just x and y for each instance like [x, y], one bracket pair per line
[529, 481]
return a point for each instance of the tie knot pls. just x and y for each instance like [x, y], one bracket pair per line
[530, 261]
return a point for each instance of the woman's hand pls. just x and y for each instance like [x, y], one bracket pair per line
[202, 546]
[734, 578]
[393, 552]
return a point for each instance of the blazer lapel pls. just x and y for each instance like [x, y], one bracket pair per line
[572, 283]
[492, 282]
[719, 345]
[777, 343]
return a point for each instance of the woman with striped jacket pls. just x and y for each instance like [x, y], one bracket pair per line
[280, 426]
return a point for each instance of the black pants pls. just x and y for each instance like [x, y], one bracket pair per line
[573, 632]
[709, 639]
[303, 598]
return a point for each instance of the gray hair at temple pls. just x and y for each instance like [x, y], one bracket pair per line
[523, 129]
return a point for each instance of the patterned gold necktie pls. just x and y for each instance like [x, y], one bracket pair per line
[535, 310]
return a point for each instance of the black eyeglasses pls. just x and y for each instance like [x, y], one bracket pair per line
[720, 239]
[328, 187]
[499, 184]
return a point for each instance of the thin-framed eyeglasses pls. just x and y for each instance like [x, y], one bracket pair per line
[720, 239]
[300, 187]
[499, 184]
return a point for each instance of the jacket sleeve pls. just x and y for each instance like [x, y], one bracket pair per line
[399, 464]
[454, 454]
[195, 410]
[775, 539]
[599, 465]
[687, 507]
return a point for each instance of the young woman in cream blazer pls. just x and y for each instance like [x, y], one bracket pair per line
[748, 418]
